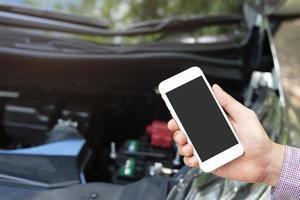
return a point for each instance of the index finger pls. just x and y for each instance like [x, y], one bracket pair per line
[172, 125]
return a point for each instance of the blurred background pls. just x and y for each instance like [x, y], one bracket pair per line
[121, 14]
[80, 113]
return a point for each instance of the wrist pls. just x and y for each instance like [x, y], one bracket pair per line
[273, 170]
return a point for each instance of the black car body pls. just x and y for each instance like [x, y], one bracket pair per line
[83, 119]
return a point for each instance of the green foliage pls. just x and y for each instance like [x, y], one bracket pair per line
[121, 13]
[129, 11]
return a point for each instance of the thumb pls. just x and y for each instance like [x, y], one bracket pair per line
[235, 109]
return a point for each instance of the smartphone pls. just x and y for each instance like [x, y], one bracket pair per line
[198, 114]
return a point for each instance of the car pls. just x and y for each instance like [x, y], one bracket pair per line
[81, 116]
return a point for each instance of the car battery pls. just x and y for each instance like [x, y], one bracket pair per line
[136, 158]
[141, 148]
[30, 117]
[78, 111]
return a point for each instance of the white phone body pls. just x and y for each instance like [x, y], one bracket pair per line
[184, 77]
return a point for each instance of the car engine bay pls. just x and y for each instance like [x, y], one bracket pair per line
[110, 136]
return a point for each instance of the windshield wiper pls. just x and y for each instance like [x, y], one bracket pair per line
[52, 15]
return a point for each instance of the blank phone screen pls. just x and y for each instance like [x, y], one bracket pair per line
[201, 118]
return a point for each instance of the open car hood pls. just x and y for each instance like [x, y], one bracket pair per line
[275, 6]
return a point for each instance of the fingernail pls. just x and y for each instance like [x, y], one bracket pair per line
[217, 87]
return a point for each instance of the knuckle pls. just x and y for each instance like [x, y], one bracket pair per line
[184, 150]
[252, 113]
[179, 137]
[194, 162]
[181, 151]
[186, 161]
[175, 135]
[187, 150]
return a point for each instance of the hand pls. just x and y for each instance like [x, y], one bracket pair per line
[262, 159]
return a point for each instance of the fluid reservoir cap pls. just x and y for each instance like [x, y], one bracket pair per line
[160, 135]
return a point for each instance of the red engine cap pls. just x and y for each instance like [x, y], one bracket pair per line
[160, 135]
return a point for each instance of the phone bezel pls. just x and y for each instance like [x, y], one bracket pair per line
[180, 79]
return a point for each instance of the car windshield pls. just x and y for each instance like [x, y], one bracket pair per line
[122, 14]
